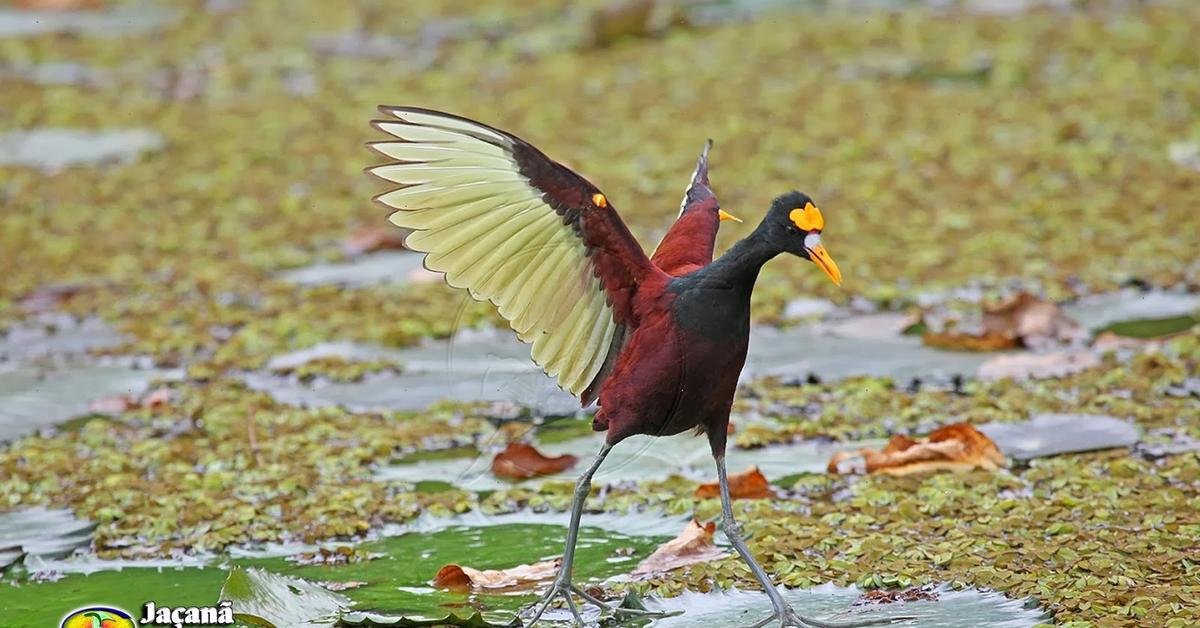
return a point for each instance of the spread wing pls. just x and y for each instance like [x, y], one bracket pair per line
[688, 244]
[513, 227]
[698, 191]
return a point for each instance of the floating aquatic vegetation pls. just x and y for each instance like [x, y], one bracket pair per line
[693, 545]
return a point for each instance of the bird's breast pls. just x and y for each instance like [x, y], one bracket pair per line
[718, 314]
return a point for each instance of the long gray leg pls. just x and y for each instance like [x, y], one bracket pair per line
[783, 611]
[562, 582]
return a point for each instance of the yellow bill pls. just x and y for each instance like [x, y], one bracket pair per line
[724, 215]
[821, 257]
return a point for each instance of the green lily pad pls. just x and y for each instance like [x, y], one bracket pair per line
[262, 598]
[371, 619]
[41, 532]
[1054, 434]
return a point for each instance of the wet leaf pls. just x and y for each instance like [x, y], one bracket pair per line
[1034, 321]
[460, 578]
[964, 341]
[749, 484]
[262, 598]
[956, 447]
[693, 545]
[520, 461]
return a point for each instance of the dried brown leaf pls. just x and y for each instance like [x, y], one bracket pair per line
[693, 545]
[1034, 321]
[955, 447]
[460, 578]
[749, 484]
[520, 461]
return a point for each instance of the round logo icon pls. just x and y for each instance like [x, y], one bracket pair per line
[98, 617]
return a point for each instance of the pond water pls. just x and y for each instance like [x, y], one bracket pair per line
[57, 148]
[392, 584]
[47, 376]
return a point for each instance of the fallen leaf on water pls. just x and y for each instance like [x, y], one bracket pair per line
[956, 447]
[693, 545]
[965, 341]
[1022, 320]
[749, 484]
[459, 578]
[116, 404]
[520, 461]
[1034, 321]
[375, 237]
[1037, 365]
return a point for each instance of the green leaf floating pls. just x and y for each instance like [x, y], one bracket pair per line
[262, 598]
[372, 619]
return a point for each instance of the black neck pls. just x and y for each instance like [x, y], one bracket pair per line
[740, 264]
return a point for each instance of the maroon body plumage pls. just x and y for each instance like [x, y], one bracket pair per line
[661, 352]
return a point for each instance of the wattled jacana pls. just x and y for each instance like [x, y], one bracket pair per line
[661, 354]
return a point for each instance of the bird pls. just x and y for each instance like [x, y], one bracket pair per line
[688, 244]
[659, 353]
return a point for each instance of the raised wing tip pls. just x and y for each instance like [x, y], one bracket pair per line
[700, 176]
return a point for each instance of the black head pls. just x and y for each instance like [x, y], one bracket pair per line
[794, 225]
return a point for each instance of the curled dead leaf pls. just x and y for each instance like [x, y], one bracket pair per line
[459, 578]
[955, 447]
[749, 484]
[1022, 320]
[1034, 321]
[520, 461]
[693, 545]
